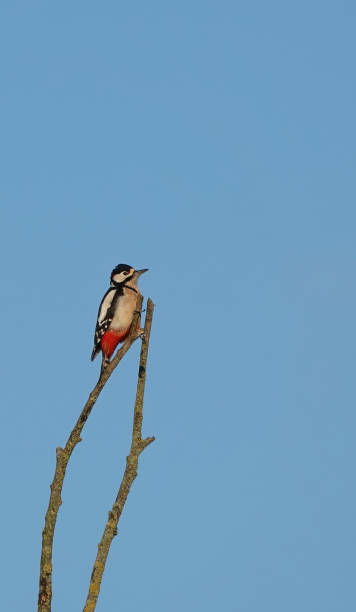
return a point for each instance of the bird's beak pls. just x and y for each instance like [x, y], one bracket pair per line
[139, 272]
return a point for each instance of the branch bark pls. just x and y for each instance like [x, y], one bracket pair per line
[137, 446]
[62, 458]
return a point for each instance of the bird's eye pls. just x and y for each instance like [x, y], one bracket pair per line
[125, 273]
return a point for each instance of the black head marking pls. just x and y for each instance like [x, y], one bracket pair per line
[120, 268]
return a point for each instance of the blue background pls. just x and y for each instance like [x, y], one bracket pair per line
[214, 143]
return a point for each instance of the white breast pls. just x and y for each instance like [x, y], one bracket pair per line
[124, 311]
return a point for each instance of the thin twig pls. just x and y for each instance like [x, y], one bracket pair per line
[62, 458]
[137, 446]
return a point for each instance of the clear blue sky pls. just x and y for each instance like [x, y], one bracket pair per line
[214, 143]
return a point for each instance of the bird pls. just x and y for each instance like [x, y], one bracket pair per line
[116, 311]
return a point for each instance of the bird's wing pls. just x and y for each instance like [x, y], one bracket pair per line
[105, 316]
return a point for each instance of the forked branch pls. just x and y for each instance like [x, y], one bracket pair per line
[137, 446]
[62, 457]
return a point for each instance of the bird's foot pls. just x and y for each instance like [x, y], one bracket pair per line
[141, 334]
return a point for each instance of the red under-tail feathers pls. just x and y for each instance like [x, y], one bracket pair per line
[111, 339]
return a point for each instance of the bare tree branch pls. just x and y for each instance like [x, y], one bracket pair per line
[62, 457]
[137, 446]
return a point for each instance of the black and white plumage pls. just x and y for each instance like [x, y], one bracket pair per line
[116, 310]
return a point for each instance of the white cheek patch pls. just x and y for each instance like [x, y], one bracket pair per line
[118, 278]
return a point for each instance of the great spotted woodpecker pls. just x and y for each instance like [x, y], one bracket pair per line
[116, 311]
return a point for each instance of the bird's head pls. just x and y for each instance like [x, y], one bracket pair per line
[123, 274]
